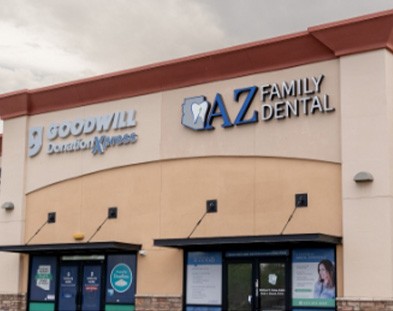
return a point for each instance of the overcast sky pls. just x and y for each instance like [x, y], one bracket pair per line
[44, 42]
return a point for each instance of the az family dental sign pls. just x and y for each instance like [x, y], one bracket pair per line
[98, 144]
[279, 101]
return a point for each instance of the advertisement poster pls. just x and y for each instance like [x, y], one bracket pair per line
[204, 274]
[68, 287]
[91, 287]
[43, 278]
[314, 278]
[120, 284]
[272, 285]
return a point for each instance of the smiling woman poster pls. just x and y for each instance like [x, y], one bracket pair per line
[314, 278]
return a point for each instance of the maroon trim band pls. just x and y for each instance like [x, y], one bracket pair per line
[317, 44]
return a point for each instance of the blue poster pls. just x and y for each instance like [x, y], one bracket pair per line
[43, 278]
[68, 287]
[120, 280]
[91, 287]
[314, 278]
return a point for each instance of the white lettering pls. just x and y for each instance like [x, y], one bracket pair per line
[104, 122]
[279, 109]
[265, 91]
[122, 120]
[52, 131]
[90, 126]
[77, 127]
[288, 90]
[131, 118]
[267, 112]
[64, 130]
[317, 83]
[275, 92]
[326, 104]
[316, 104]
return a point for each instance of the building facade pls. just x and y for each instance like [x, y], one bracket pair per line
[257, 177]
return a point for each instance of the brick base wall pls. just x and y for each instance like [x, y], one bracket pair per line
[158, 303]
[364, 304]
[12, 302]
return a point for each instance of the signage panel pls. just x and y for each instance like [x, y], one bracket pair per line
[68, 287]
[314, 278]
[204, 275]
[120, 284]
[58, 134]
[276, 101]
[43, 278]
[91, 290]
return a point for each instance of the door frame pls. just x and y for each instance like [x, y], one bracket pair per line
[80, 264]
[255, 261]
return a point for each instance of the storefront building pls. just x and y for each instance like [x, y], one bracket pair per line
[258, 177]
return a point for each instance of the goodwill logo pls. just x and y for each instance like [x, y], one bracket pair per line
[58, 132]
[277, 101]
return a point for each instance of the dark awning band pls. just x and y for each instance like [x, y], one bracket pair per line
[250, 241]
[72, 248]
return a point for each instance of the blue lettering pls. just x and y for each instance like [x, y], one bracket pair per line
[251, 92]
[101, 144]
[97, 145]
[218, 110]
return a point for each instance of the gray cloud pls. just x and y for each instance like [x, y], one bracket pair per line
[252, 20]
[50, 41]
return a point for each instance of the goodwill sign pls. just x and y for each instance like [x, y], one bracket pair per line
[80, 130]
[278, 101]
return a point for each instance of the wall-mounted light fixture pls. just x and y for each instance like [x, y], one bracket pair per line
[301, 200]
[112, 213]
[78, 236]
[8, 206]
[211, 206]
[51, 218]
[142, 252]
[362, 177]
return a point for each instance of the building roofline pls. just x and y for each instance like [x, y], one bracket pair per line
[324, 42]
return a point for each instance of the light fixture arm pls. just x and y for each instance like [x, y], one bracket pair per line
[38, 231]
[98, 229]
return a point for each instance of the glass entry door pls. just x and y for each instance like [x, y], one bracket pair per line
[272, 286]
[240, 287]
[257, 285]
[80, 286]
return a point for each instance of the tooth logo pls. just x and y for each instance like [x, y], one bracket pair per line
[199, 111]
[195, 110]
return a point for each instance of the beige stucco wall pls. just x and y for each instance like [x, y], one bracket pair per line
[274, 160]
[161, 135]
[367, 145]
[12, 190]
[166, 199]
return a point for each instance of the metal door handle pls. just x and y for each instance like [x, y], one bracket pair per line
[249, 299]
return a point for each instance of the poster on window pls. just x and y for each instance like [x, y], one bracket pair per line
[43, 278]
[120, 279]
[204, 274]
[314, 278]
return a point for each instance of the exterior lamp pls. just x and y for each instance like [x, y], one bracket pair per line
[362, 177]
[8, 206]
